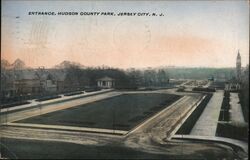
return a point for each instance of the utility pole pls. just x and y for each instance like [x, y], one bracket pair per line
[40, 106]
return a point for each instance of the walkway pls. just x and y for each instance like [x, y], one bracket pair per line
[207, 123]
[236, 114]
[241, 144]
[69, 128]
[57, 100]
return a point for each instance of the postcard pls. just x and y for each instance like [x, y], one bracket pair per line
[124, 79]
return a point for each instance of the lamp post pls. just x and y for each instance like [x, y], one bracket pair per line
[114, 120]
[181, 136]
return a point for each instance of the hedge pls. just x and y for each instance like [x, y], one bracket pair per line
[188, 125]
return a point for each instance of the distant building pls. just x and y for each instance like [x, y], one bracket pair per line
[8, 88]
[211, 78]
[47, 80]
[238, 67]
[60, 78]
[232, 85]
[106, 82]
[235, 83]
[27, 82]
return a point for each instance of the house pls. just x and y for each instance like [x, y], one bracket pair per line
[27, 82]
[47, 80]
[49, 83]
[33, 82]
[59, 77]
[106, 82]
[8, 88]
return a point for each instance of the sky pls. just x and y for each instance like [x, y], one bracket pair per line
[189, 33]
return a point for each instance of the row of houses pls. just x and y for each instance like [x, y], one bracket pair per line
[30, 81]
[41, 81]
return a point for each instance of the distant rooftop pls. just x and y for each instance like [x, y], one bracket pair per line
[106, 78]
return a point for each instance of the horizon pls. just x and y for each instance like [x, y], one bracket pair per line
[204, 34]
[142, 68]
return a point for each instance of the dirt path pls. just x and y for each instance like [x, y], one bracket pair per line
[152, 134]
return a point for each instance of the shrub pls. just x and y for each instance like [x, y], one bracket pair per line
[204, 89]
[73, 93]
[14, 104]
[48, 98]
[233, 130]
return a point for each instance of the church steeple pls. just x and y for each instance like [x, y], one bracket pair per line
[238, 56]
[238, 66]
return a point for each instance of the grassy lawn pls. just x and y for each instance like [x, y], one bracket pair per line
[121, 112]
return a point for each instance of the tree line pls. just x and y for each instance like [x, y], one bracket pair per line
[124, 79]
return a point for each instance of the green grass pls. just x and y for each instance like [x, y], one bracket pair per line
[121, 112]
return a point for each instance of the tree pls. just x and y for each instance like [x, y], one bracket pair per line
[244, 94]
[18, 65]
[163, 78]
[73, 77]
[148, 77]
[4, 64]
[135, 78]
